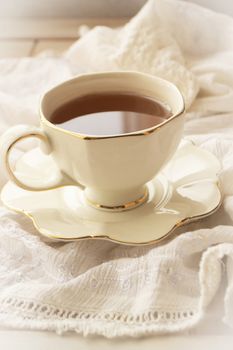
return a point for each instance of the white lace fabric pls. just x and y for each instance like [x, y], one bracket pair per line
[98, 287]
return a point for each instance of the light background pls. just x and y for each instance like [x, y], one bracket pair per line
[88, 8]
[204, 336]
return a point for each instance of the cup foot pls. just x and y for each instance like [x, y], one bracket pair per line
[122, 207]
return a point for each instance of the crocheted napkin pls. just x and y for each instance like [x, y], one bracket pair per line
[97, 287]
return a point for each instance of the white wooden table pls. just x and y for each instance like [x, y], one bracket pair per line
[20, 38]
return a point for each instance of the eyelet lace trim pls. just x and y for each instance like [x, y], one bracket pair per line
[31, 310]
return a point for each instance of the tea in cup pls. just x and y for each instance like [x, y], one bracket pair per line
[109, 132]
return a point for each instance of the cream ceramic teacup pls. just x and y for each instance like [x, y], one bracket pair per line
[114, 169]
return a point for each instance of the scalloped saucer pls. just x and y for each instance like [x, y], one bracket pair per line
[186, 190]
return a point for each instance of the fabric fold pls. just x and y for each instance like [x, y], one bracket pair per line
[97, 287]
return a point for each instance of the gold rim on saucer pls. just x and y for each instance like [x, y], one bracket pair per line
[179, 195]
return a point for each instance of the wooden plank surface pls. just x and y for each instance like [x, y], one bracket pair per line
[55, 46]
[15, 48]
[29, 37]
[51, 28]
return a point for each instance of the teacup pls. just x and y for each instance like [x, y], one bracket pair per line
[114, 169]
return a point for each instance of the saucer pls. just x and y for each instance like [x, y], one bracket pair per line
[186, 190]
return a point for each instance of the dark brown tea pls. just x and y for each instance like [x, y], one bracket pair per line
[110, 114]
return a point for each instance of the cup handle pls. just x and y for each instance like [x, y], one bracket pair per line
[16, 134]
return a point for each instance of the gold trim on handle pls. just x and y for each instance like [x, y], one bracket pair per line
[9, 169]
